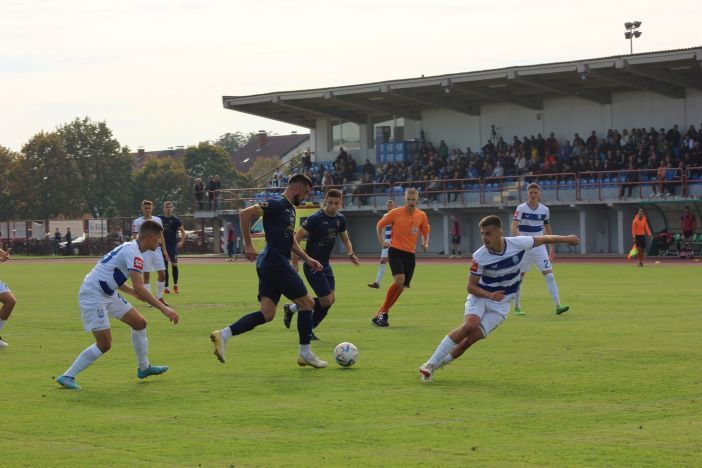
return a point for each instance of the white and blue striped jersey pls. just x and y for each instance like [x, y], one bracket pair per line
[112, 271]
[499, 271]
[531, 221]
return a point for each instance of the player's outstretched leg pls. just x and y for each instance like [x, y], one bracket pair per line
[304, 330]
[246, 323]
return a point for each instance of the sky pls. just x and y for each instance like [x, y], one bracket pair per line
[156, 70]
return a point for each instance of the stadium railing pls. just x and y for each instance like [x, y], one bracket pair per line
[567, 187]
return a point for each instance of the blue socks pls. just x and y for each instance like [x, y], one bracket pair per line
[248, 323]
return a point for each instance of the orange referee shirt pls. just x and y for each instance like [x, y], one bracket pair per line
[639, 227]
[405, 227]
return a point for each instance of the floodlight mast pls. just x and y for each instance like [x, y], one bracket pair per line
[631, 33]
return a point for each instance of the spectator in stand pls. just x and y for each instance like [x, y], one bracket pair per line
[639, 231]
[631, 180]
[327, 181]
[274, 183]
[199, 189]
[211, 191]
[443, 149]
[688, 226]
[368, 169]
[306, 161]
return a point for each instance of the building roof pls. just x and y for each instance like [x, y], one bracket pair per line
[141, 156]
[668, 73]
[266, 146]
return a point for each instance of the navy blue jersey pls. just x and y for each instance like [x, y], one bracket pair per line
[279, 226]
[170, 229]
[323, 230]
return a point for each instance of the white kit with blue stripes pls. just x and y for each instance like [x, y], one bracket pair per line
[531, 221]
[499, 271]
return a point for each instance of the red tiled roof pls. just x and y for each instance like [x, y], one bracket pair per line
[141, 157]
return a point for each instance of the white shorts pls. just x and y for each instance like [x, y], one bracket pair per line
[384, 253]
[3, 288]
[96, 308]
[537, 256]
[153, 260]
[491, 313]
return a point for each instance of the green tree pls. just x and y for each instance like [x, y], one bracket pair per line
[163, 180]
[104, 170]
[8, 161]
[205, 160]
[45, 179]
[233, 142]
[263, 167]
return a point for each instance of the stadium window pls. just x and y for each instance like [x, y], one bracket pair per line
[346, 134]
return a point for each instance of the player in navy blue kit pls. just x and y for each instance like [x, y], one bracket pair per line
[321, 230]
[276, 275]
[171, 227]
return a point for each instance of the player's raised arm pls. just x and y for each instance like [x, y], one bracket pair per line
[553, 239]
[245, 217]
[140, 292]
[181, 242]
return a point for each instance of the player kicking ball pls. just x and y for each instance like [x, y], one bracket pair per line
[493, 283]
[98, 299]
[533, 219]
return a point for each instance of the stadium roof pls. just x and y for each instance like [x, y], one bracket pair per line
[667, 73]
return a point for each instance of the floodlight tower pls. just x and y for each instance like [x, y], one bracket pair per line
[632, 31]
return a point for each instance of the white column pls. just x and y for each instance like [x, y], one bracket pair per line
[583, 232]
[620, 231]
[445, 222]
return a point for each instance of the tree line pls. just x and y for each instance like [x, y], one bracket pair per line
[80, 168]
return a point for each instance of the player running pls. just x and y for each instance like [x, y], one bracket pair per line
[276, 275]
[153, 260]
[492, 286]
[533, 219]
[407, 223]
[389, 205]
[321, 230]
[99, 300]
[7, 299]
[171, 226]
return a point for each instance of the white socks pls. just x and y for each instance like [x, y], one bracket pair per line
[85, 359]
[444, 361]
[381, 270]
[225, 333]
[160, 286]
[552, 287]
[2, 323]
[517, 297]
[141, 348]
[293, 308]
[305, 350]
[444, 348]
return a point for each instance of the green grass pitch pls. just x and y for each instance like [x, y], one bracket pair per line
[615, 381]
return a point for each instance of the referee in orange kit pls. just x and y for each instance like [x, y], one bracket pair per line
[407, 223]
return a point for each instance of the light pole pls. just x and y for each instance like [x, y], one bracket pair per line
[632, 31]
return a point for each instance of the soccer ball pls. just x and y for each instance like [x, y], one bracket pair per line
[346, 354]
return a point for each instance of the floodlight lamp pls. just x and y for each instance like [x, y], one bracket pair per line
[637, 33]
[628, 25]
[637, 24]
[627, 35]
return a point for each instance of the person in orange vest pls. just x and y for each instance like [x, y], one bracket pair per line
[639, 231]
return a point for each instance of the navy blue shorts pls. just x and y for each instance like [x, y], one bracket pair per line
[279, 278]
[172, 251]
[322, 282]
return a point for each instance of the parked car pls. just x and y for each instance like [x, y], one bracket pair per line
[79, 246]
